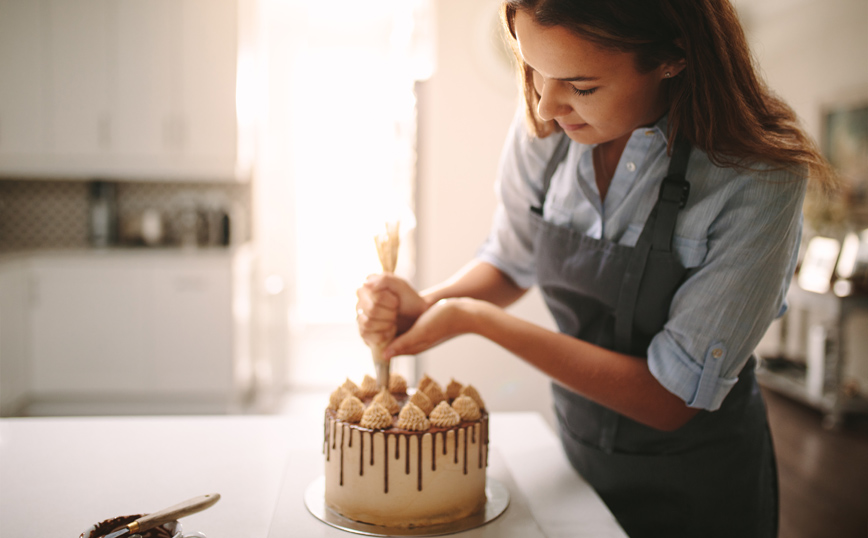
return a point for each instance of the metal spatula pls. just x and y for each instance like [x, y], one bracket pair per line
[190, 506]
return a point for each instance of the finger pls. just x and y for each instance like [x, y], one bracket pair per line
[378, 339]
[367, 325]
[368, 299]
[409, 343]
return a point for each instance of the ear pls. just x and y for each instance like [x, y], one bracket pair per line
[673, 69]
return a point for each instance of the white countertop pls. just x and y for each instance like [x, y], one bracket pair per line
[60, 475]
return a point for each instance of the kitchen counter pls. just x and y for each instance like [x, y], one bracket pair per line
[123, 251]
[60, 475]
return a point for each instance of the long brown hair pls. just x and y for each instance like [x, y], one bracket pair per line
[718, 102]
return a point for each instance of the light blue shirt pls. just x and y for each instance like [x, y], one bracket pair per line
[738, 235]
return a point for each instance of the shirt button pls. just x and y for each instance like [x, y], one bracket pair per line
[631, 166]
[717, 353]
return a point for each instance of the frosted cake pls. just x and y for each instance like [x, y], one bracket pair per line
[400, 458]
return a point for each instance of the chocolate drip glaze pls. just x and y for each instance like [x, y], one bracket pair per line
[419, 463]
[434, 451]
[456, 445]
[325, 445]
[484, 435]
[331, 435]
[465, 450]
[385, 460]
[342, 455]
[334, 434]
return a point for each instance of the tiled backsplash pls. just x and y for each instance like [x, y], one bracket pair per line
[56, 214]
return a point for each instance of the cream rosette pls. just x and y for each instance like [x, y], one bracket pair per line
[434, 392]
[369, 387]
[424, 382]
[337, 397]
[388, 401]
[397, 384]
[470, 391]
[376, 417]
[412, 418]
[351, 387]
[466, 408]
[443, 416]
[422, 401]
[453, 389]
[351, 410]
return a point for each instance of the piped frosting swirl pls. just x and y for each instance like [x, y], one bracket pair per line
[388, 401]
[466, 408]
[470, 391]
[453, 389]
[376, 417]
[336, 398]
[443, 416]
[351, 387]
[434, 392]
[351, 410]
[422, 401]
[397, 384]
[412, 418]
[369, 387]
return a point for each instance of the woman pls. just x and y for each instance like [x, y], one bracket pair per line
[654, 195]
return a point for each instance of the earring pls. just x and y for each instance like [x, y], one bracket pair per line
[667, 74]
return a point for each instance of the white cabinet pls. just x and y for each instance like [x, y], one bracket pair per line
[14, 327]
[23, 113]
[123, 89]
[89, 329]
[123, 332]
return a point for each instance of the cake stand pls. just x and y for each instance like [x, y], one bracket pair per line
[496, 503]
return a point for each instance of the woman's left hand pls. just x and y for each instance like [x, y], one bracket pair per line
[444, 320]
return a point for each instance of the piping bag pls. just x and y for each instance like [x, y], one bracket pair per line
[387, 250]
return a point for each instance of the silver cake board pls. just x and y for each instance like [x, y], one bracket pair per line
[496, 503]
[301, 499]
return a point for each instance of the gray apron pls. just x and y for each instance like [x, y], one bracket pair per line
[713, 477]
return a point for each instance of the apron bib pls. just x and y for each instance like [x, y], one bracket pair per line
[713, 477]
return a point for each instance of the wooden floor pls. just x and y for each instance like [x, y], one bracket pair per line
[823, 474]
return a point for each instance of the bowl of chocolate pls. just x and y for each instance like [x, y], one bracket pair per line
[172, 529]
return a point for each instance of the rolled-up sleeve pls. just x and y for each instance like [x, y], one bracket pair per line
[721, 311]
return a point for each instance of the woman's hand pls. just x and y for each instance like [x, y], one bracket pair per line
[445, 319]
[387, 306]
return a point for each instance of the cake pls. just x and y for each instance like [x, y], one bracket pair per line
[405, 459]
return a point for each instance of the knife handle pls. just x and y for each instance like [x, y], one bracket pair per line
[185, 508]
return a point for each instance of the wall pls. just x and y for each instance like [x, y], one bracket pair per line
[54, 214]
[465, 110]
[815, 55]
[811, 51]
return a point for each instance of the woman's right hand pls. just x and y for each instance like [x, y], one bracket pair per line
[387, 306]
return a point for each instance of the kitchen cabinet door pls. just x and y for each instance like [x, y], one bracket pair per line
[148, 77]
[193, 328]
[122, 89]
[89, 328]
[22, 84]
[209, 62]
[14, 365]
[80, 62]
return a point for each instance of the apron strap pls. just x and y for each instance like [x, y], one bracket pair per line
[557, 156]
[656, 235]
[674, 191]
